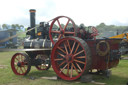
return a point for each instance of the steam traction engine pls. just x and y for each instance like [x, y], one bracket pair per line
[72, 51]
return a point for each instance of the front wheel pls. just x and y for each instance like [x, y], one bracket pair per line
[20, 64]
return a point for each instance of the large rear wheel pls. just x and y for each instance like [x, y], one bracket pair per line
[71, 58]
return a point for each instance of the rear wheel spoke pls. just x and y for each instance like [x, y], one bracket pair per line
[80, 57]
[75, 68]
[66, 48]
[73, 47]
[71, 71]
[76, 48]
[68, 69]
[58, 59]
[68, 45]
[78, 53]
[64, 67]
[61, 50]
[61, 55]
[62, 63]
[79, 67]
[79, 61]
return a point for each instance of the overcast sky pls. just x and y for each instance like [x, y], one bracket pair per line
[89, 12]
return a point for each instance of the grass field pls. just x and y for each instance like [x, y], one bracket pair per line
[7, 77]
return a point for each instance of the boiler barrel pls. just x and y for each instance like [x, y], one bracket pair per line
[41, 43]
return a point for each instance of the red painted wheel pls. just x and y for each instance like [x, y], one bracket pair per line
[46, 63]
[70, 58]
[62, 31]
[20, 64]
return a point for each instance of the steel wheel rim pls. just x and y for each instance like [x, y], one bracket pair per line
[75, 63]
[63, 31]
[22, 69]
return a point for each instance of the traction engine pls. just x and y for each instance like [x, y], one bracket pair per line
[72, 51]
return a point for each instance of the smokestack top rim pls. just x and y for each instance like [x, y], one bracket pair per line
[32, 10]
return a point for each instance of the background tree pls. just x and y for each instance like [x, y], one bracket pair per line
[5, 26]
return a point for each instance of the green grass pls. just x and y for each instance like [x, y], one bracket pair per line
[7, 77]
[23, 35]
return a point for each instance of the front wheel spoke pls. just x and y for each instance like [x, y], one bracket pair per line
[17, 59]
[24, 68]
[61, 50]
[80, 57]
[17, 68]
[79, 67]
[78, 53]
[58, 59]
[62, 63]
[21, 69]
[21, 57]
[15, 63]
[79, 61]
[63, 68]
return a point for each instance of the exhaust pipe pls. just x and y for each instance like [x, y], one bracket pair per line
[32, 22]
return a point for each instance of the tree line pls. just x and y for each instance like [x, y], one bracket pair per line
[13, 26]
